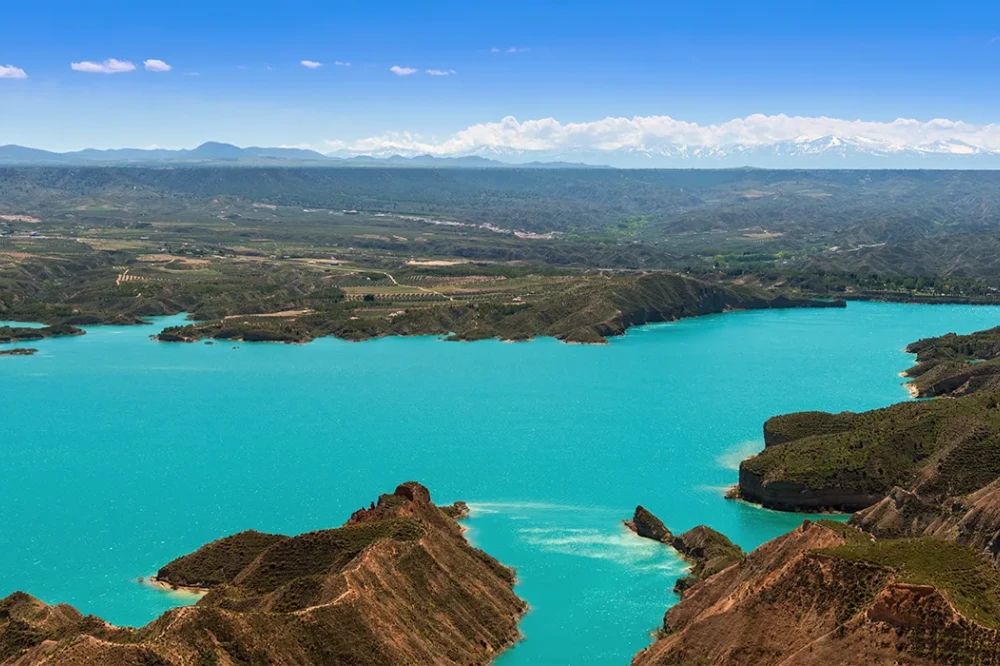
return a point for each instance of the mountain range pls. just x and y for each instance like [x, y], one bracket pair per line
[827, 152]
[214, 153]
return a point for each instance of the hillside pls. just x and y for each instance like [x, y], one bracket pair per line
[825, 594]
[816, 461]
[576, 311]
[846, 208]
[953, 365]
[397, 584]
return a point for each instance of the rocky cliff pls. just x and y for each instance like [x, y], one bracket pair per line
[825, 594]
[397, 584]
[817, 461]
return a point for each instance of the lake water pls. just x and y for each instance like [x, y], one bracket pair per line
[119, 454]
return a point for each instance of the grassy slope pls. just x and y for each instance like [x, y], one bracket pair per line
[888, 447]
[969, 581]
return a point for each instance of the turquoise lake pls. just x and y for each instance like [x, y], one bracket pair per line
[119, 453]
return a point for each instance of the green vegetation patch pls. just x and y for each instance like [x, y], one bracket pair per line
[218, 562]
[969, 581]
[887, 447]
[321, 552]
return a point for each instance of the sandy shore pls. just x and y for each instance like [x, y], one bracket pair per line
[153, 581]
[914, 391]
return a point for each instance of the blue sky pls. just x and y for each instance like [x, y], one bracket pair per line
[575, 62]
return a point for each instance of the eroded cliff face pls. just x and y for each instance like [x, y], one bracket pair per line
[398, 584]
[796, 601]
[972, 520]
[847, 462]
[782, 495]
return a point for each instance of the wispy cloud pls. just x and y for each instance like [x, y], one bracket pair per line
[668, 135]
[510, 49]
[11, 72]
[402, 71]
[109, 66]
[311, 64]
[440, 72]
[341, 63]
[156, 65]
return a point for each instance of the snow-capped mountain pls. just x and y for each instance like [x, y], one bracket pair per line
[827, 152]
[806, 152]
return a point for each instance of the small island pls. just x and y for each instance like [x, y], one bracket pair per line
[20, 351]
[26, 333]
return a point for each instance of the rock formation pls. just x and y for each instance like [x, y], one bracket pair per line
[707, 550]
[972, 520]
[398, 584]
[825, 594]
[645, 524]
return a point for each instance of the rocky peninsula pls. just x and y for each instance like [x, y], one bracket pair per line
[941, 450]
[397, 584]
[587, 312]
[848, 462]
[953, 365]
[829, 594]
[707, 550]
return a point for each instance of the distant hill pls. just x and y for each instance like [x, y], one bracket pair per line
[214, 153]
[829, 152]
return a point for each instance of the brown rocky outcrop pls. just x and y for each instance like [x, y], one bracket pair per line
[972, 520]
[645, 524]
[707, 550]
[796, 601]
[398, 584]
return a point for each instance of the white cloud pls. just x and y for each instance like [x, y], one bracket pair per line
[402, 71]
[440, 72]
[495, 50]
[341, 63]
[663, 134]
[11, 72]
[517, 49]
[311, 64]
[109, 66]
[156, 65]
